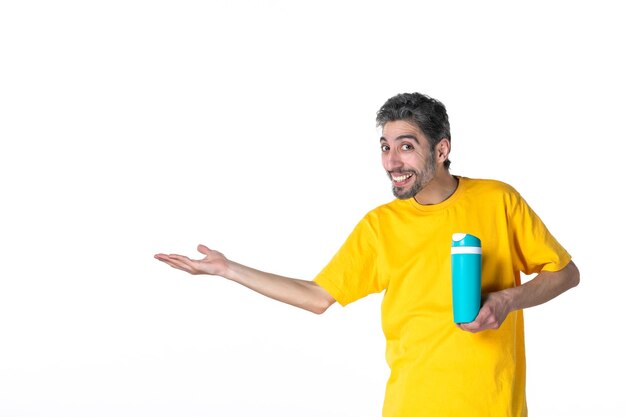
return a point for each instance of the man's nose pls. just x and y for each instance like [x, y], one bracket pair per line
[391, 161]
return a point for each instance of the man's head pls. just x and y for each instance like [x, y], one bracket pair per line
[415, 144]
[426, 113]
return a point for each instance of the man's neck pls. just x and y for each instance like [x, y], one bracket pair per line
[438, 190]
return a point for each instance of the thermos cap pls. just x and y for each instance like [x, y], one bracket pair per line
[465, 239]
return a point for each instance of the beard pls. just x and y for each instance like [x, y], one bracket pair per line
[421, 180]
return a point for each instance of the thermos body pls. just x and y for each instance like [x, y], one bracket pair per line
[466, 253]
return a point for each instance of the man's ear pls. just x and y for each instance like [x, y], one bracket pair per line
[443, 149]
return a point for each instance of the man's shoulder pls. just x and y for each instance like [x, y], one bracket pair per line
[391, 208]
[487, 185]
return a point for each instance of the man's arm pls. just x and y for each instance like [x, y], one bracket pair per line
[300, 293]
[544, 287]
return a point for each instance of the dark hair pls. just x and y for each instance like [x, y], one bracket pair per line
[422, 111]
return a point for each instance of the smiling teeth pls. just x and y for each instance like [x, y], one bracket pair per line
[401, 177]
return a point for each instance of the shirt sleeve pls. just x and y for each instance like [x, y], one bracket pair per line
[534, 247]
[353, 272]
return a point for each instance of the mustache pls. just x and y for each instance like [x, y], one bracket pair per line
[401, 172]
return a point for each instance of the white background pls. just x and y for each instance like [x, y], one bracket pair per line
[130, 128]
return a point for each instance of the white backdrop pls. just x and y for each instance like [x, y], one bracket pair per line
[132, 127]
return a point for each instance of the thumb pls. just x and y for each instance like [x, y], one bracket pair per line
[203, 249]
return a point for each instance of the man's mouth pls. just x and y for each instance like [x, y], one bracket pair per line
[402, 179]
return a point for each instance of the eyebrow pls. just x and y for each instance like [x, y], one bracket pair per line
[407, 136]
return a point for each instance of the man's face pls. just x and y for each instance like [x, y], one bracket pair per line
[407, 158]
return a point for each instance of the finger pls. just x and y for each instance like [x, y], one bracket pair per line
[162, 256]
[179, 267]
[462, 327]
[471, 330]
[203, 249]
[482, 313]
[180, 258]
[471, 327]
[180, 264]
[177, 259]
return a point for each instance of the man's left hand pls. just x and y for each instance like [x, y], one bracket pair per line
[494, 310]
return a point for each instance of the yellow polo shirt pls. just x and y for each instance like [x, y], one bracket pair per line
[403, 248]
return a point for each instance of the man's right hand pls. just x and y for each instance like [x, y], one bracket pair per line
[214, 263]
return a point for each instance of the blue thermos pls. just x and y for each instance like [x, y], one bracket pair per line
[466, 256]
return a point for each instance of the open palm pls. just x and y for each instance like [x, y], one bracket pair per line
[213, 263]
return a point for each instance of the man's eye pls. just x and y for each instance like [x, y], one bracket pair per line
[384, 148]
[406, 147]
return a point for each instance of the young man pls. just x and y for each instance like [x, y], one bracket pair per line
[403, 248]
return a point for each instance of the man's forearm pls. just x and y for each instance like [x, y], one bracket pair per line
[544, 287]
[300, 293]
